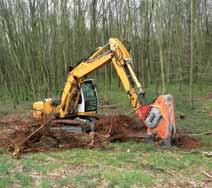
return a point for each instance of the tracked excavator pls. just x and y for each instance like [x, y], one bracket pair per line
[78, 104]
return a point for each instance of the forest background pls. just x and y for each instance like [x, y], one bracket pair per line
[170, 40]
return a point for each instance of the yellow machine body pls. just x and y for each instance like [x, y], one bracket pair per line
[77, 94]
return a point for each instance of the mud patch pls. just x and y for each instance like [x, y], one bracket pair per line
[14, 128]
[186, 142]
[209, 96]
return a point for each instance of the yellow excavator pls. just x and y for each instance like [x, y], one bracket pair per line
[79, 101]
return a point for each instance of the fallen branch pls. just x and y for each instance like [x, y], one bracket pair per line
[207, 174]
[204, 133]
[152, 167]
[207, 154]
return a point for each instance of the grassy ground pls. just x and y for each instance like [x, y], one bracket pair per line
[120, 164]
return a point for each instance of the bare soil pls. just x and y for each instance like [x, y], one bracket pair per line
[110, 128]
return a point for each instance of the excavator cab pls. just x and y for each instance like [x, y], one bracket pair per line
[88, 99]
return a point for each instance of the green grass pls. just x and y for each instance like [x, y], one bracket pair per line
[119, 165]
[126, 164]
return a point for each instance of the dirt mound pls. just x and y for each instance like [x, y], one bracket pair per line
[186, 142]
[120, 127]
[209, 96]
[14, 128]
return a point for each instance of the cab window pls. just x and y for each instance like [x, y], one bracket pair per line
[89, 96]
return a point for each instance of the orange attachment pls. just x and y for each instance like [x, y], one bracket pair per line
[165, 126]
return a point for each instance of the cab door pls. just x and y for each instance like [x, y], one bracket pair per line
[89, 100]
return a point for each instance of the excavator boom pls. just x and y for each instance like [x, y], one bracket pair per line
[114, 52]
